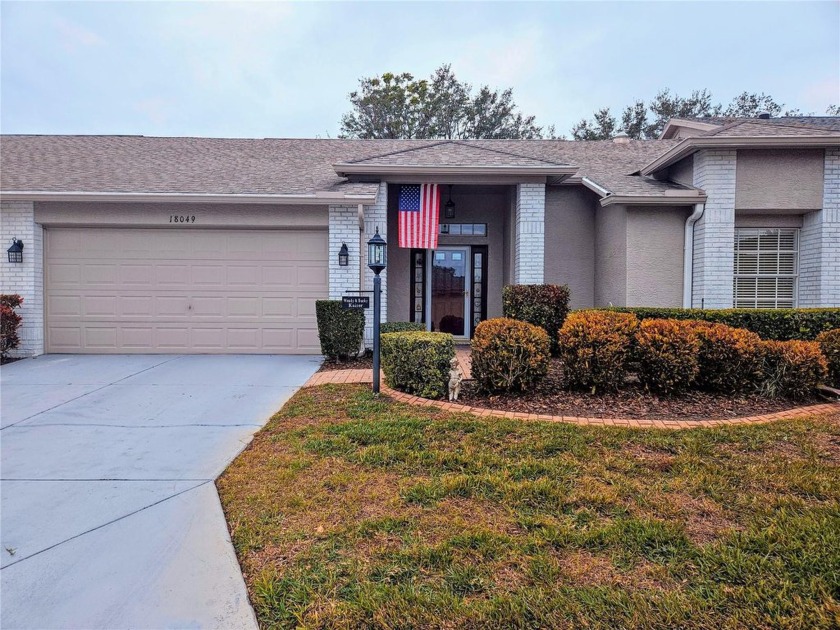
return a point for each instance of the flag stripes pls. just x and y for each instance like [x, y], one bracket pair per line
[419, 213]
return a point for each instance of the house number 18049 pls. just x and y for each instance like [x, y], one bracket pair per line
[180, 218]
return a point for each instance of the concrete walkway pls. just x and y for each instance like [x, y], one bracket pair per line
[110, 518]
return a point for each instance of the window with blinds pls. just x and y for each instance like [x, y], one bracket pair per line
[766, 267]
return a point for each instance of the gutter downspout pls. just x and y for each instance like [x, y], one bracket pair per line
[361, 247]
[688, 253]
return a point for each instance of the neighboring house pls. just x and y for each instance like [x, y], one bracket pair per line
[136, 244]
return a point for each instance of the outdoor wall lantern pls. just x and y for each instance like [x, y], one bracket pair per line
[16, 251]
[343, 256]
[449, 206]
[377, 259]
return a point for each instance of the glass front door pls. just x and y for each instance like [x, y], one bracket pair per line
[449, 284]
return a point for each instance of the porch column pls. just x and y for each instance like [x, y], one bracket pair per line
[376, 216]
[529, 225]
[344, 229]
[26, 278]
[819, 244]
[714, 233]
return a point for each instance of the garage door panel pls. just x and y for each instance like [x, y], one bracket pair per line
[140, 290]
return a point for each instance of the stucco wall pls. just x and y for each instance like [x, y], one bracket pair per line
[683, 171]
[655, 241]
[473, 204]
[570, 241]
[158, 215]
[789, 179]
[611, 256]
[768, 220]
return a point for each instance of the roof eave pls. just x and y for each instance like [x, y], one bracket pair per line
[319, 198]
[690, 145]
[653, 200]
[442, 169]
[683, 122]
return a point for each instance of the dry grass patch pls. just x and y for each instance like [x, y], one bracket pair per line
[352, 512]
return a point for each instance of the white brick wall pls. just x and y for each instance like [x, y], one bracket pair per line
[376, 217]
[344, 228]
[529, 256]
[714, 233]
[27, 278]
[819, 247]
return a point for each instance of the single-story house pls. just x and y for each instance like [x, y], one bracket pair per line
[205, 245]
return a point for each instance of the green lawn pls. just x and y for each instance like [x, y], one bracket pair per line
[352, 512]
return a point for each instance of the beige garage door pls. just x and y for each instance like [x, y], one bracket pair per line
[115, 290]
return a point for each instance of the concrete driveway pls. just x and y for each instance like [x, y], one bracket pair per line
[110, 518]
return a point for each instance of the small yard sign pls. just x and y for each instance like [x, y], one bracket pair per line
[355, 301]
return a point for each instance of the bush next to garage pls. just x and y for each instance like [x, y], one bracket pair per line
[543, 305]
[340, 330]
[778, 324]
[596, 348]
[830, 345]
[417, 362]
[9, 323]
[509, 355]
[392, 327]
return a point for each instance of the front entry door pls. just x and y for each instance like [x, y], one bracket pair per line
[450, 295]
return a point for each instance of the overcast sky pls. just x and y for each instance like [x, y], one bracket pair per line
[284, 70]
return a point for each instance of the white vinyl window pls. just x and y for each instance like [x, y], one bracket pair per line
[766, 267]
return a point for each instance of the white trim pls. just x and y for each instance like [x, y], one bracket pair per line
[595, 187]
[295, 199]
[688, 253]
[679, 199]
[690, 145]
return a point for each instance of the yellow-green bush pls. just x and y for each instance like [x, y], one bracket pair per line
[666, 355]
[792, 369]
[417, 362]
[509, 355]
[596, 348]
[830, 345]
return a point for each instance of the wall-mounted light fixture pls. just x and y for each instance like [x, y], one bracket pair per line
[16, 251]
[343, 256]
[449, 206]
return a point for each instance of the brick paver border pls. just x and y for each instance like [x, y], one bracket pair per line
[364, 376]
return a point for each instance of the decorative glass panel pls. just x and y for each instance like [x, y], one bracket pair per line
[467, 229]
[480, 229]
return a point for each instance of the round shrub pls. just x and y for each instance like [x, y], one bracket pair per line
[729, 358]
[666, 352]
[543, 305]
[596, 347]
[340, 330]
[830, 345]
[417, 362]
[509, 355]
[390, 327]
[792, 369]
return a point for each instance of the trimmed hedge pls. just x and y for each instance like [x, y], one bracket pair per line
[830, 345]
[666, 353]
[779, 324]
[417, 362]
[340, 330]
[392, 327]
[792, 369]
[9, 322]
[509, 355]
[596, 348]
[543, 305]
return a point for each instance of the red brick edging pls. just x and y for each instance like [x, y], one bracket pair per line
[364, 376]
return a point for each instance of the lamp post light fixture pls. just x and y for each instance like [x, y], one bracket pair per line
[16, 251]
[377, 260]
[343, 256]
[449, 206]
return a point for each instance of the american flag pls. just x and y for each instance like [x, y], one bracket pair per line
[419, 211]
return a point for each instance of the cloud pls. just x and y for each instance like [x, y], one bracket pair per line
[73, 36]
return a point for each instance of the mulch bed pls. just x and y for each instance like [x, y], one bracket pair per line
[5, 360]
[631, 402]
[359, 363]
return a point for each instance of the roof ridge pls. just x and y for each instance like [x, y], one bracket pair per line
[511, 153]
[425, 146]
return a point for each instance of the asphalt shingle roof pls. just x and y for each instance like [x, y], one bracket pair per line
[456, 153]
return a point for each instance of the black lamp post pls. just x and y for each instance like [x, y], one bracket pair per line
[16, 251]
[377, 259]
